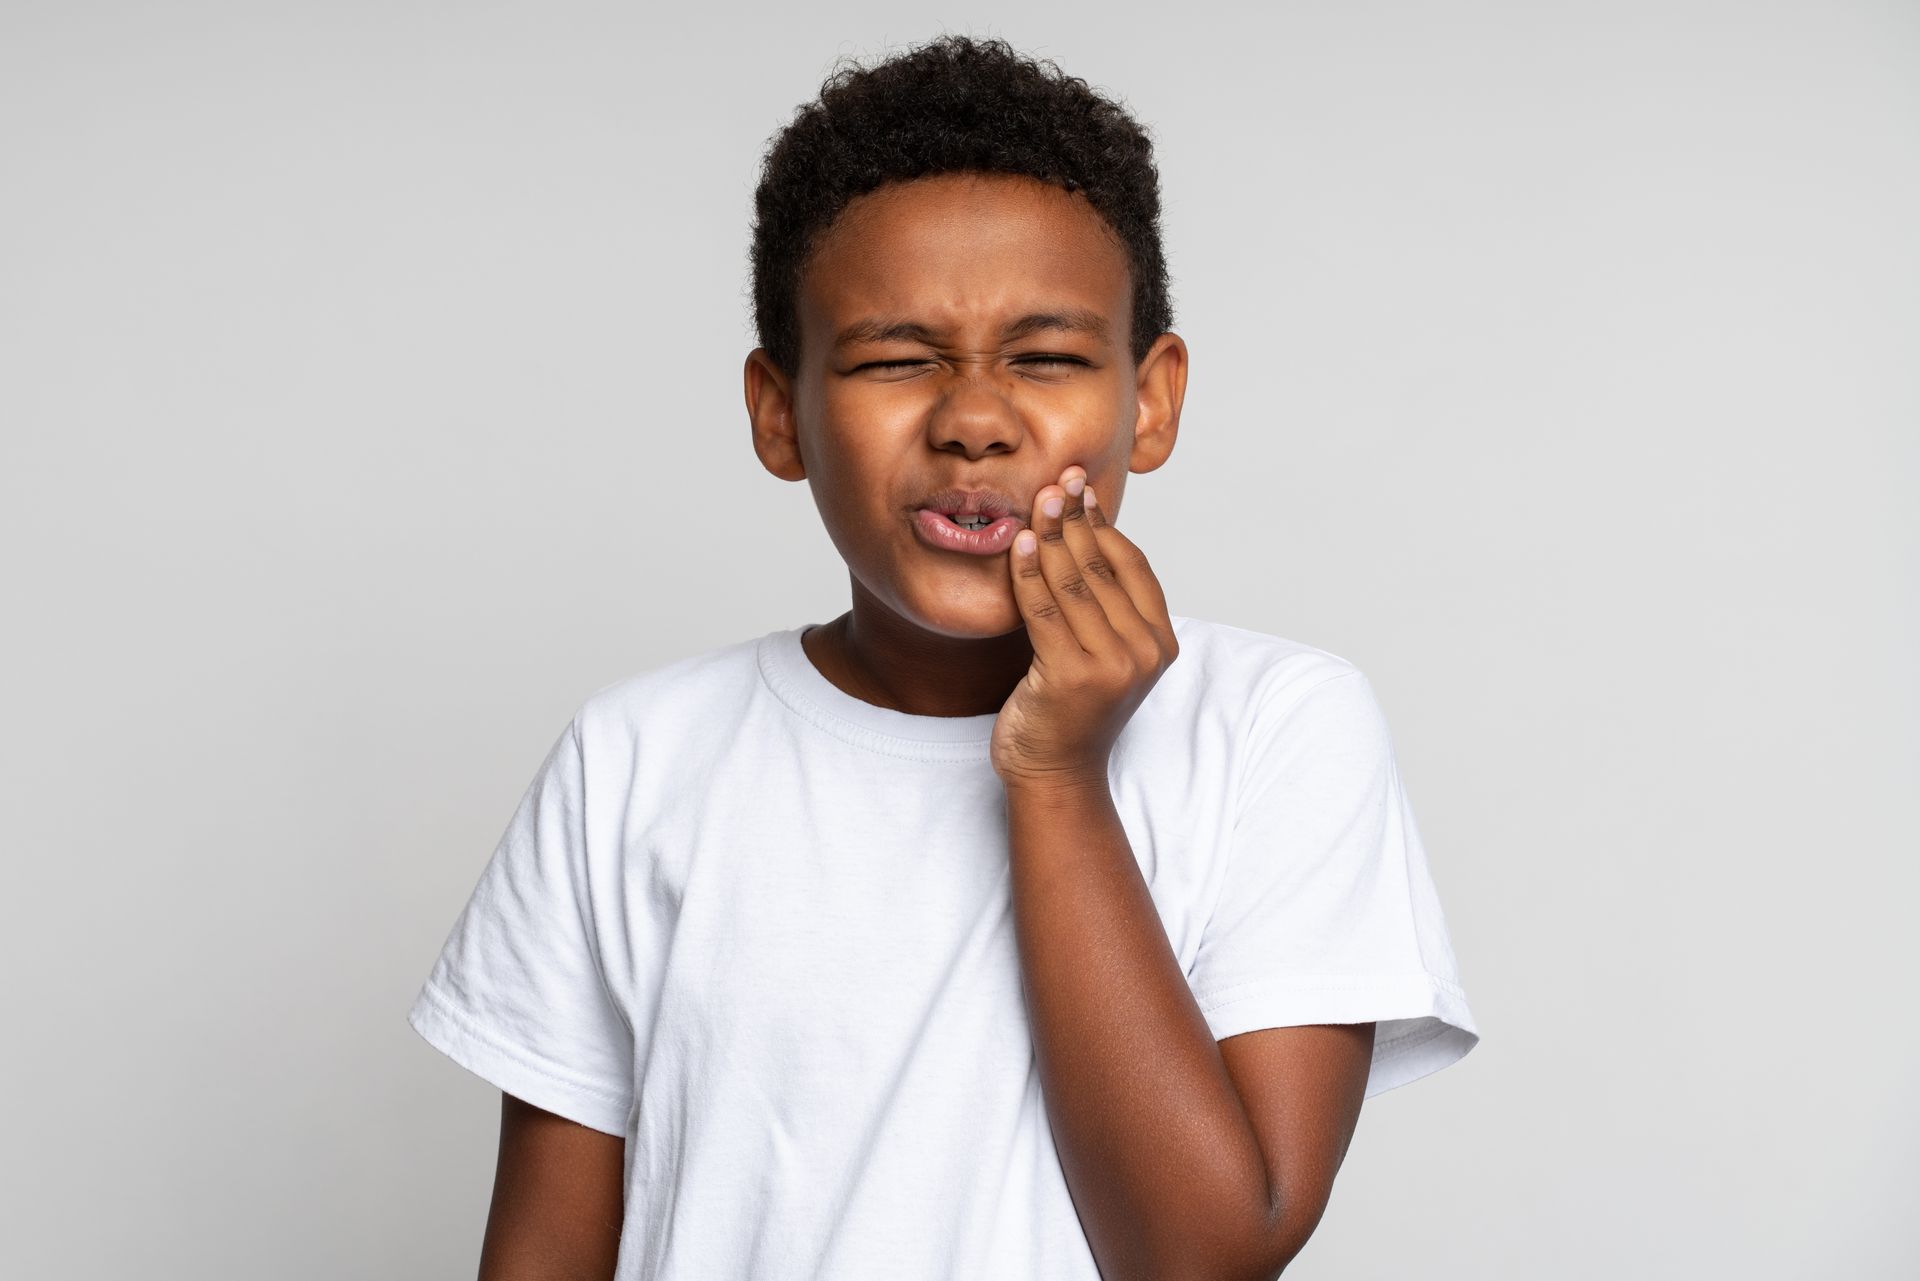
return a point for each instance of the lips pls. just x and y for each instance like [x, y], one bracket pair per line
[990, 503]
[937, 520]
[938, 531]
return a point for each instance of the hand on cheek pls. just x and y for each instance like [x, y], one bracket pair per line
[1101, 637]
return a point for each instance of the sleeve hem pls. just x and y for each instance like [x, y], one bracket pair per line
[1423, 1021]
[516, 1071]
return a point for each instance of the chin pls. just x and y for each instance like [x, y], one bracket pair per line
[962, 613]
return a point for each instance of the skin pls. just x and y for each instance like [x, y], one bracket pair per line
[557, 1199]
[939, 634]
[1185, 1157]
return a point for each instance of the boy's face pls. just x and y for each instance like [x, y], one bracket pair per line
[960, 395]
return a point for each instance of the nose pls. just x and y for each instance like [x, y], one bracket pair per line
[974, 417]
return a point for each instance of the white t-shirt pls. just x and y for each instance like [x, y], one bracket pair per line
[762, 930]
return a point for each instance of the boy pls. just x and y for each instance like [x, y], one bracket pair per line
[1008, 925]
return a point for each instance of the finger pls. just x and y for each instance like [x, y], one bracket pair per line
[1131, 568]
[1123, 615]
[1078, 604]
[1047, 629]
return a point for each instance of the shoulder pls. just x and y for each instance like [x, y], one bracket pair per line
[669, 697]
[1252, 671]
[1301, 725]
[1276, 701]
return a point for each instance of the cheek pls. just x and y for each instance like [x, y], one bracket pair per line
[855, 475]
[1096, 425]
[865, 438]
[866, 424]
[1090, 405]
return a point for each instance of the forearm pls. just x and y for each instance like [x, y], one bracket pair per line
[1165, 1170]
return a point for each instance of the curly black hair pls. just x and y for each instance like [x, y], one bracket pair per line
[952, 104]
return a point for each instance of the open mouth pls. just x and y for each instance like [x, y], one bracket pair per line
[975, 533]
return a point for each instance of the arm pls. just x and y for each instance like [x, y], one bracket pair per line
[558, 1198]
[1186, 1157]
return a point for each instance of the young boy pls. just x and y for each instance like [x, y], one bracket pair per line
[1007, 926]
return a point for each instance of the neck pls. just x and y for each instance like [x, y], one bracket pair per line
[877, 656]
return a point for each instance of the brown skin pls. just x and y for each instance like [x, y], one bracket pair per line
[1186, 1157]
[557, 1199]
[938, 634]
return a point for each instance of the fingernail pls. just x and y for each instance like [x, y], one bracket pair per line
[1023, 542]
[1087, 498]
[1075, 485]
[1052, 506]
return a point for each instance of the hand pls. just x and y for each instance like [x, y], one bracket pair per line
[1101, 638]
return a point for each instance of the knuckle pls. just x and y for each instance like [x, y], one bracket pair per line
[1073, 585]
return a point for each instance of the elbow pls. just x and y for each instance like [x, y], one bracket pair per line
[1265, 1259]
[1267, 1266]
[1262, 1252]
[1266, 1269]
[1284, 1235]
[1272, 1270]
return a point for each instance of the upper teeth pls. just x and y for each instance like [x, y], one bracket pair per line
[973, 522]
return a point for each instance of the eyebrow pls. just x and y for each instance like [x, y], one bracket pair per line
[1072, 320]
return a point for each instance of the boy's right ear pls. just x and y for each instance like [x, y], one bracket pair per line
[776, 436]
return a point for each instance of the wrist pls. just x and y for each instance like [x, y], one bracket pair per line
[1063, 785]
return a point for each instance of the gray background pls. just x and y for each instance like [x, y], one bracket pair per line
[370, 376]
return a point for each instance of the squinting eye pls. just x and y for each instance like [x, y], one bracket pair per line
[1024, 360]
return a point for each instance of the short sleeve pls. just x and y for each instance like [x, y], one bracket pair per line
[1327, 911]
[517, 995]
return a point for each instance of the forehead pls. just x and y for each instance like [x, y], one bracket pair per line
[963, 250]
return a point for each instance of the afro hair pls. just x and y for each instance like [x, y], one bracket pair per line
[954, 104]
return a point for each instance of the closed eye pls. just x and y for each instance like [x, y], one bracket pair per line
[1024, 360]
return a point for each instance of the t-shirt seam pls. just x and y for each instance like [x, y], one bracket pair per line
[589, 926]
[518, 1054]
[1394, 1047]
[795, 700]
[1213, 999]
[1391, 1048]
[869, 740]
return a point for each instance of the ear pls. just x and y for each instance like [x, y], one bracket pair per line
[776, 438]
[1161, 387]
